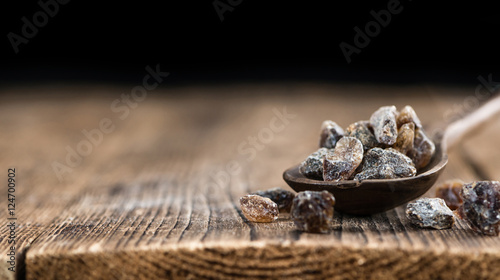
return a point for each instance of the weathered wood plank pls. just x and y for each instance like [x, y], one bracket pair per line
[158, 197]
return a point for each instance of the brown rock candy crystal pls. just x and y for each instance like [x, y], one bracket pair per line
[481, 206]
[449, 191]
[408, 115]
[384, 125]
[344, 160]
[385, 164]
[279, 196]
[430, 213]
[361, 131]
[404, 142]
[423, 149]
[259, 209]
[312, 167]
[313, 211]
[331, 132]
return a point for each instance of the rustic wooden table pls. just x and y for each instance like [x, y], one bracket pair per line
[156, 196]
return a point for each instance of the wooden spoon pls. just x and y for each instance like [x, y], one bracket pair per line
[379, 195]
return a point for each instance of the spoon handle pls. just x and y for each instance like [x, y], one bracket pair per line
[460, 128]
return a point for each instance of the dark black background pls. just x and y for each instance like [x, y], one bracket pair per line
[427, 42]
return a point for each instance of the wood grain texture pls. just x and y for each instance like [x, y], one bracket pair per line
[152, 200]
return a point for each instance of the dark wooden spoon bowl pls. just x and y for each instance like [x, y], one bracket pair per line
[371, 196]
[379, 195]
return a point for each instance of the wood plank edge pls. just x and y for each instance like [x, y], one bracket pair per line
[292, 260]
